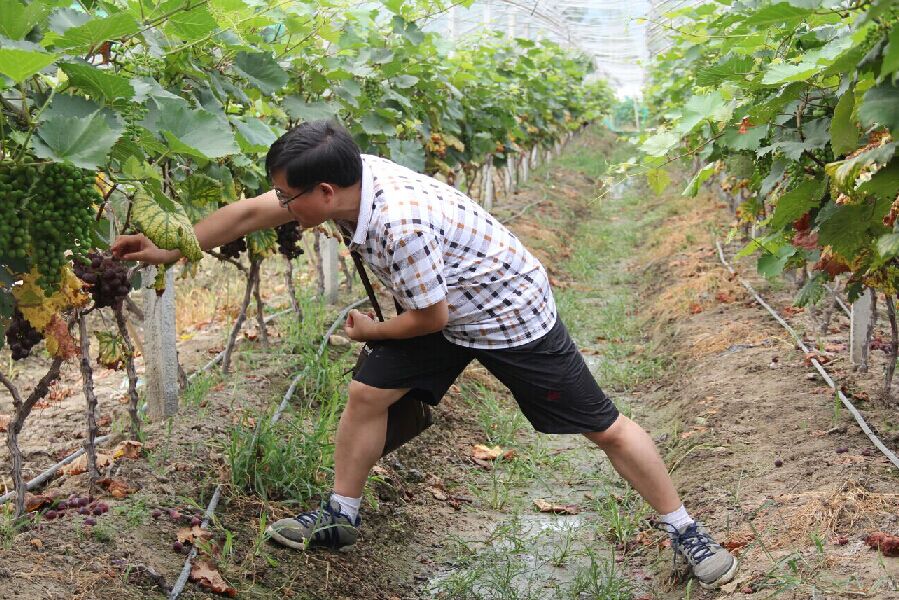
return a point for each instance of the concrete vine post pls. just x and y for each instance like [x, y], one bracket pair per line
[861, 328]
[487, 201]
[160, 339]
[330, 268]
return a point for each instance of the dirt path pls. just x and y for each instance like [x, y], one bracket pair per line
[676, 344]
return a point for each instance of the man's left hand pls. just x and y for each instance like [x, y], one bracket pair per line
[359, 326]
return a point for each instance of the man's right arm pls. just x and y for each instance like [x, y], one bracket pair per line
[224, 225]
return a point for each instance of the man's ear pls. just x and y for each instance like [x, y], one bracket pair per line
[329, 191]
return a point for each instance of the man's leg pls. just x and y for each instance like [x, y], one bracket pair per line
[360, 436]
[360, 441]
[634, 456]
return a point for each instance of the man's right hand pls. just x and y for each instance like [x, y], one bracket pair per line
[139, 247]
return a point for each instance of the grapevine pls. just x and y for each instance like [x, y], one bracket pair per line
[105, 277]
[21, 336]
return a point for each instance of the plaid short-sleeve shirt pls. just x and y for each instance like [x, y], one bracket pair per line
[426, 242]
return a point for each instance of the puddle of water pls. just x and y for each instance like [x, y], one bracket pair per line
[529, 557]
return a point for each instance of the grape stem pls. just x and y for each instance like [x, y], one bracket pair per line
[232, 338]
[260, 316]
[87, 377]
[129, 368]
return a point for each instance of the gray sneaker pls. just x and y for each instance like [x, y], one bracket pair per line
[324, 527]
[712, 564]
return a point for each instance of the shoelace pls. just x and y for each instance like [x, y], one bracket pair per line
[692, 543]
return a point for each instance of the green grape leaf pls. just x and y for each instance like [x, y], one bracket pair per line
[658, 180]
[798, 201]
[660, 144]
[888, 245]
[111, 352]
[260, 69]
[19, 65]
[301, 110]
[704, 107]
[253, 135]
[195, 132]
[884, 183]
[880, 105]
[776, 15]
[812, 291]
[64, 19]
[846, 226]
[844, 133]
[772, 265]
[751, 140]
[693, 187]
[375, 124]
[19, 19]
[262, 243]
[98, 84]
[891, 54]
[84, 142]
[165, 222]
[408, 153]
[734, 69]
[404, 81]
[192, 25]
[99, 29]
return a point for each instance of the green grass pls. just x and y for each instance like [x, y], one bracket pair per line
[292, 460]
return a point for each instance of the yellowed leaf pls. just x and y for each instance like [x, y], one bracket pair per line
[210, 579]
[127, 449]
[39, 309]
[558, 509]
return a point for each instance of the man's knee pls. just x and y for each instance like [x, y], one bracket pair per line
[372, 399]
[614, 436]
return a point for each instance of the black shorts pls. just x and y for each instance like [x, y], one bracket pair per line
[548, 377]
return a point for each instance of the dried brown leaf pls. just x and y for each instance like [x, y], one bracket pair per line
[210, 579]
[188, 535]
[127, 449]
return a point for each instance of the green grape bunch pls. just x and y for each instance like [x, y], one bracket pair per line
[61, 212]
[14, 237]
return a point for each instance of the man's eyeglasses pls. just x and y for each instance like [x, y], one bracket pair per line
[284, 199]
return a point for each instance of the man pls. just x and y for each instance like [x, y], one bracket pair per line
[470, 290]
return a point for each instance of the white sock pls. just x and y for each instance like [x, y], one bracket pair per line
[678, 519]
[348, 506]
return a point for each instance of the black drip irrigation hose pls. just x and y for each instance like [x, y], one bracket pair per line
[824, 374]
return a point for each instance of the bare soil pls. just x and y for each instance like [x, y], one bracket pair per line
[734, 402]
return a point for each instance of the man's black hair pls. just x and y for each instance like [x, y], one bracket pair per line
[316, 152]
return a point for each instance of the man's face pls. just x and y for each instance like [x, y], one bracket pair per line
[309, 206]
